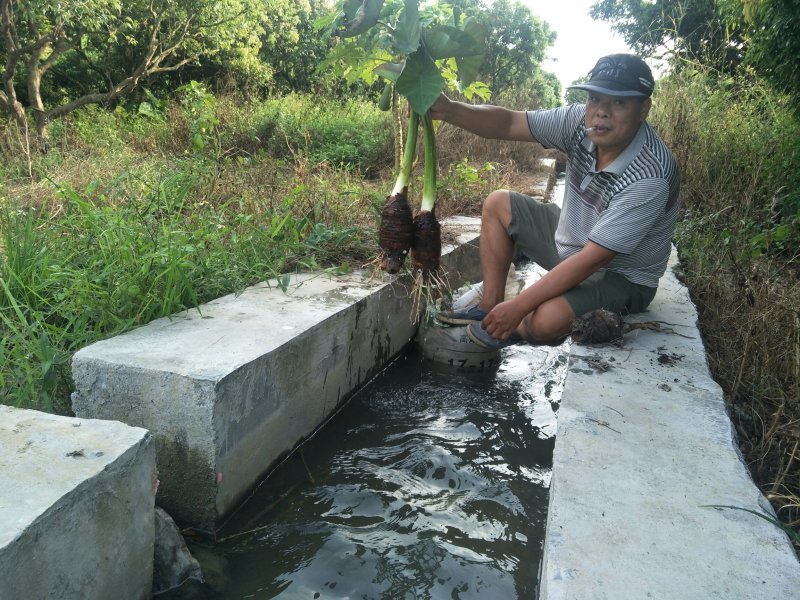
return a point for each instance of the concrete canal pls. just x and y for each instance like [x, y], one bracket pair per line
[431, 483]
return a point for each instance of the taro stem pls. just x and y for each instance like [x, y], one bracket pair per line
[427, 247]
[396, 223]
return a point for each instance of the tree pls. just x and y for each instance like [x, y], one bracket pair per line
[546, 89]
[721, 34]
[106, 48]
[692, 30]
[517, 44]
[294, 64]
[574, 96]
[774, 46]
[281, 50]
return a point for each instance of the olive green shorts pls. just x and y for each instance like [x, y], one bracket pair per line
[533, 229]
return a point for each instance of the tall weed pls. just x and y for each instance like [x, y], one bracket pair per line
[735, 141]
[352, 134]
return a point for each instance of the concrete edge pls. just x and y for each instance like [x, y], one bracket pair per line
[644, 447]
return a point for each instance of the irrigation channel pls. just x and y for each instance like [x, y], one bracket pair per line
[431, 483]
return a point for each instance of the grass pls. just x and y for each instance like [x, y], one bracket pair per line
[109, 234]
[739, 245]
[90, 269]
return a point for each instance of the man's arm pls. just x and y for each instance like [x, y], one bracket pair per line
[503, 319]
[492, 122]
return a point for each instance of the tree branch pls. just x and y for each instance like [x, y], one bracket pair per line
[93, 67]
[60, 47]
[9, 96]
[168, 40]
[126, 85]
[7, 24]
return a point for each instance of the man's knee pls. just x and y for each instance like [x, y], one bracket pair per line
[498, 205]
[550, 322]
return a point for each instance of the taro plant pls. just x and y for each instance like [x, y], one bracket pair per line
[397, 228]
[419, 51]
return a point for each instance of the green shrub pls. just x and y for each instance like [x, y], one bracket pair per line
[99, 128]
[350, 134]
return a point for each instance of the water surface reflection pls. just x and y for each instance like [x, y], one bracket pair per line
[431, 483]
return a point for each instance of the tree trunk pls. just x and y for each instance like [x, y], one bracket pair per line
[17, 111]
[40, 117]
[42, 133]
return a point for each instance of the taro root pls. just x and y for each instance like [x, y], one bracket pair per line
[597, 327]
[426, 248]
[601, 326]
[396, 231]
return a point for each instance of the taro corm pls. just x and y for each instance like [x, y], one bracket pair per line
[426, 247]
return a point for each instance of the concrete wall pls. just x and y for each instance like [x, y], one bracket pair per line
[231, 387]
[76, 508]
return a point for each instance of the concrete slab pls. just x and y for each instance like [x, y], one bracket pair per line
[76, 507]
[644, 445]
[231, 387]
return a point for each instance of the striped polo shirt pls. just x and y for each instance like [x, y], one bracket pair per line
[629, 207]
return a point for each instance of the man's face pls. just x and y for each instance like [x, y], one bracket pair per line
[615, 119]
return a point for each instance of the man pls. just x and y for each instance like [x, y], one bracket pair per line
[609, 244]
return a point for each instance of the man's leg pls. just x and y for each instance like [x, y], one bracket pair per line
[496, 253]
[509, 222]
[552, 321]
[497, 248]
[549, 324]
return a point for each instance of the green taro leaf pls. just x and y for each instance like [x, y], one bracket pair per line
[405, 37]
[350, 7]
[447, 42]
[420, 82]
[469, 66]
[363, 18]
[389, 70]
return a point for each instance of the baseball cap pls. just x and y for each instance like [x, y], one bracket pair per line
[619, 75]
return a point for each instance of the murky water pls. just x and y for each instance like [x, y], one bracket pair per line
[431, 483]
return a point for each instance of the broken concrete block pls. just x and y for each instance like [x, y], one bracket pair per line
[76, 507]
